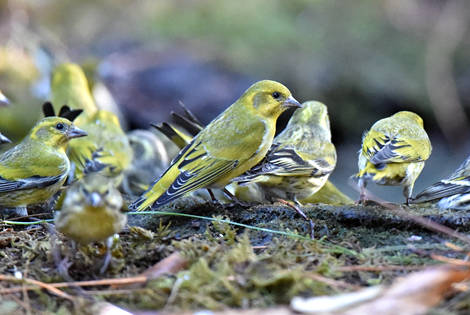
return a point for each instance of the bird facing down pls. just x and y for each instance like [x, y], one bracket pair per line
[35, 169]
[91, 212]
[231, 144]
[301, 158]
[452, 192]
[393, 152]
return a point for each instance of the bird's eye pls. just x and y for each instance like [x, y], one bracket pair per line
[276, 95]
[59, 126]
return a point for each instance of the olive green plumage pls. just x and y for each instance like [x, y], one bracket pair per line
[301, 158]
[393, 152]
[69, 86]
[91, 210]
[452, 192]
[35, 169]
[231, 144]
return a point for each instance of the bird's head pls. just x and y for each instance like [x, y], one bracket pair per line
[55, 131]
[312, 113]
[97, 191]
[410, 115]
[268, 99]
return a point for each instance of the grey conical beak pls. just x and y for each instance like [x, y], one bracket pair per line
[75, 132]
[292, 102]
[94, 199]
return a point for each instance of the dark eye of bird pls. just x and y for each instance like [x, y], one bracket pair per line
[59, 126]
[276, 95]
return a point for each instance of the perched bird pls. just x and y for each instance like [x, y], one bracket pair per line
[452, 192]
[231, 144]
[393, 152]
[301, 158]
[69, 86]
[91, 212]
[150, 159]
[35, 169]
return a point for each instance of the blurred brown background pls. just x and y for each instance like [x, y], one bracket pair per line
[365, 59]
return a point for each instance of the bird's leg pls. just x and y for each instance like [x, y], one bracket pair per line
[362, 189]
[235, 199]
[62, 265]
[407, 192]
[107, 257]
[212, 195]
[301, 213]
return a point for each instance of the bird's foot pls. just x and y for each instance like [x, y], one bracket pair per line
[302, 214]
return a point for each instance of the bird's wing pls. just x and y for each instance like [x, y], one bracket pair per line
[287, 161]
[194, 167]
[380, 148]
[442, 189]
[32, 182]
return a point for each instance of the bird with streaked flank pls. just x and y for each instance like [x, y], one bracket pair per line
[91, 211]
[35, 169]
[393, 152]
[231, 144]
[301, 158]
[452, 192]
[69, 86]
[150, 159]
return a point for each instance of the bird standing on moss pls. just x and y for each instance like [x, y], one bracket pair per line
[35, 169]
[301, 158]
[91, 212]
[231, 144]
[452, 192]
[393, 152]
[69, 86]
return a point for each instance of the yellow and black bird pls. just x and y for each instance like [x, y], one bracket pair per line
[35, 169]
[231, 144]
[452, 192]
[69, 86]
[393, 152]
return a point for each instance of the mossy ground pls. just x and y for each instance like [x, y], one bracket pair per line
[230, 266]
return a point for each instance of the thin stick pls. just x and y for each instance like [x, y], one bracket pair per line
[378, 268]
[49, 287]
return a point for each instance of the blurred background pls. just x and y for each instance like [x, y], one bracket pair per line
[364, 59]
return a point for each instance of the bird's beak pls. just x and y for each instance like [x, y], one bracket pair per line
[75, 132]
[4, 139]
[94, 199]
[3, 100]
[291, 102]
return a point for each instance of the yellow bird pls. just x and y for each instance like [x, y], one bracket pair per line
[35, 169]
[69, 86]
[393, 152]
[301, 158]
[452, 192]
[150, 159]
[231, 144]
[91, 212]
